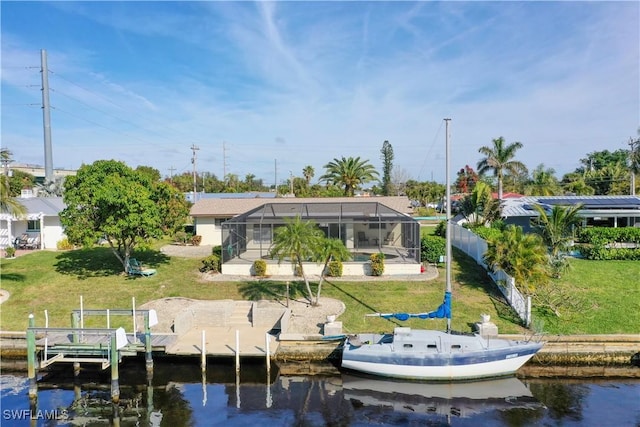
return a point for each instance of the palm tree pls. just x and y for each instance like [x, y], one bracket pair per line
[499, 158]
[350, 173]
[522, 256]
[329, 250]
[9, 204]
[307, 173]
[479, 208]
[557, 228]
[543, 182]
[297, 240]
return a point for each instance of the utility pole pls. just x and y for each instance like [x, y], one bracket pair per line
[634, 161]
[194, 148]
[224, 161]
[291, 182]
[171, 169]
[46, 118]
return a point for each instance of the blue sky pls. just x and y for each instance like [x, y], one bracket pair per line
[301, 83]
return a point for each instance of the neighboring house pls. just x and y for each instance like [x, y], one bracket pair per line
[597, 211]
[42, 222]
[249, 195]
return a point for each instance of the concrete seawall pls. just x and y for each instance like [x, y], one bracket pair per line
[567, 356]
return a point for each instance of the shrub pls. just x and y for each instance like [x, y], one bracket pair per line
[432, 248]
[487, 233]
[180, 237]
[259, 268]
[334, 269]
[196, 240]
[211, 263]
[441, 229]
[377, 264]
[10, 251]
[64, 244]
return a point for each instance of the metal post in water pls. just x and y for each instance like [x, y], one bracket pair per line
[115, 384]
[31, 358]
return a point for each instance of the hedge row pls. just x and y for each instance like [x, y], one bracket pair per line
[607, 235]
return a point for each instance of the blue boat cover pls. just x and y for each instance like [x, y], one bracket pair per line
[442, 312]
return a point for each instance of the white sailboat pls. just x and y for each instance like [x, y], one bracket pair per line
[430, 354]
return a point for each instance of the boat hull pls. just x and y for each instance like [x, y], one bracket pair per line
[436, 356]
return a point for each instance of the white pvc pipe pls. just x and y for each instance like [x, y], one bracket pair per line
[81, 314]
[237, 350]
[203, 361]
[133, 304]
[108, 320]
[267, 341]
[46, 337]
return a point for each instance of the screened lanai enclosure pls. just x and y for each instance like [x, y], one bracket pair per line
[365, 227]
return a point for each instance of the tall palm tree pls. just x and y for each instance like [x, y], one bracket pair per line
[329, 250]
[308, 173]
[297, 240]
[499, 159]
[522, 256]
[479, 207]
[349, 173]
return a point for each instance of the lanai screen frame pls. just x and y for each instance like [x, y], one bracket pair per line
[334, 218]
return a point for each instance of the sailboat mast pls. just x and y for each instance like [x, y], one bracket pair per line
[449, 258]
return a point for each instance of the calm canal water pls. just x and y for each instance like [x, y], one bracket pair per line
[178, 395]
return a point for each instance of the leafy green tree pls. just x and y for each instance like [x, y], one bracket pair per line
[499, 159]
[425, 192]
[522, 256]
[153, 173]
[19, 181]
[298, 241]
[329, 250]
[575, 183]
[543, 182]
[386, 155]
[109, 200]
[349, 173]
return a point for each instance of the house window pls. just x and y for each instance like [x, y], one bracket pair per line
[261, 234]
[33, 225]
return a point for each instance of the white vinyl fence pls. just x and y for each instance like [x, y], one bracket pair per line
[475, 247]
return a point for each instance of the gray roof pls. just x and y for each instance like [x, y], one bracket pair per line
[227, 208]
[597, 204]
[47, 206]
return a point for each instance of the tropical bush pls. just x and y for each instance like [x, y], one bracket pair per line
[377, 264]
[334, 269]
[441, 229]
[432, 248]
[211, 264]
[180, 237]
[10, 251]
[259, 268]
[602, 243]
[196, 240]
[64, 245]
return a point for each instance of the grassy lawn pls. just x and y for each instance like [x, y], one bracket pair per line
[55, 281]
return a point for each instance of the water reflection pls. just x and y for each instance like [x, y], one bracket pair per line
[178, 394]
[458, 399]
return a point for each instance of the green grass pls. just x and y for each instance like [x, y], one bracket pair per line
[55, 281]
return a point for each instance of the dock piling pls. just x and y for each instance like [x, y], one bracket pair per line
[31, 358]
[115, 384]
[203, 359]
[237, 351]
